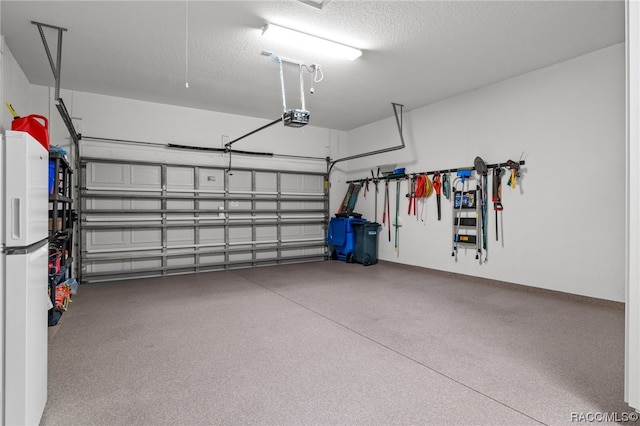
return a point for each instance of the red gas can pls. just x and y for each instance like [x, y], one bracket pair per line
[31, 125]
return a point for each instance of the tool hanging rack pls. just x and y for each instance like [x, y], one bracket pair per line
[509, 164]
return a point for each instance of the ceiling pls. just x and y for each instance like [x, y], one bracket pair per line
[414, 52]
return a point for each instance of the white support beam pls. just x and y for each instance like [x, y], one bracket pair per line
[632, 346]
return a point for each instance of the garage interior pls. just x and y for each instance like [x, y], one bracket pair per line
[202, 200]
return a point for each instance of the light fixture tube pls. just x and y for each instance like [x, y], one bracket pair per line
[309, 42]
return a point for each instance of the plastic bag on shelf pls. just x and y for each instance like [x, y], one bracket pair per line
[73, 285]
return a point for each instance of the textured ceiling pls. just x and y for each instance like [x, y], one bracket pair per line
[415, 53]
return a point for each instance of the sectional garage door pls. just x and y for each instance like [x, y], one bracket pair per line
[143, 219]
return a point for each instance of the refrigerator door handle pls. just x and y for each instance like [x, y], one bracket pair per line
[15, 218]
[26, 249]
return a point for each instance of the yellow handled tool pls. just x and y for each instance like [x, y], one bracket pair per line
[515, 173]
[12, 111]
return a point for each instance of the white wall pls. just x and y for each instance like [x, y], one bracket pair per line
[564, 224]
[16, 89]
[118, 118]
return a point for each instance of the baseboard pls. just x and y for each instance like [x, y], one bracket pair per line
[514, 286]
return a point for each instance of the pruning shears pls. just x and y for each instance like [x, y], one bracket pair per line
[412, 197]
[437, 184]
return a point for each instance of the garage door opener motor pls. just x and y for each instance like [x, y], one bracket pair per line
[296, 117]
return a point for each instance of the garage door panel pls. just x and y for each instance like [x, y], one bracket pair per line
[113, 266]
[122, 240]
[239, 205]
[303, 231]
[291, 205]
[146, 236]
[266, 209]
[239, 234]
[211, 205]
[292, 231]
[313, 184]
[313, 251]
[272, 254]
[123, 266]
[151, 264]
[302, 205]
[265, 218]
[108, 175]
[180, 204]
[106, 204]
[189, 261]
[180, 178]
[147, 177]
[240, 257]
[266, 233]
[111, 238]
[240, 181]
[291, 183]
[313, 231]
[145, 204]
[291, 252]
[266, 182]
[266, 205]
[180, 235]
[211, 259]
[211, 235]
[211, 179]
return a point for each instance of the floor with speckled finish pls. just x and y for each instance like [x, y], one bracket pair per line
[331, 343]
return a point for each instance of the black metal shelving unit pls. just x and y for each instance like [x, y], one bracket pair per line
[61, 222]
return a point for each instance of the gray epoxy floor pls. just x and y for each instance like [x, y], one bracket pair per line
[331, 343]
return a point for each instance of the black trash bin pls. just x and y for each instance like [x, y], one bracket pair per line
[366, 243]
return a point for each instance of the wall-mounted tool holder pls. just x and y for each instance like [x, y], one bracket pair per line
[509, 164]
[469, 227]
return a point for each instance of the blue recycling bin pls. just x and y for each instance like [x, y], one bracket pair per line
[341, 237]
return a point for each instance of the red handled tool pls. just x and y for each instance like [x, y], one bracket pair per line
[412, 197]
[386, 209]
[437, 185]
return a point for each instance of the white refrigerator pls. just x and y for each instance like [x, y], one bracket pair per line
[24, 300]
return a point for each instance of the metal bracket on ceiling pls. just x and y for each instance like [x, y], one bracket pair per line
[55, 68]
[399, 120]
[290, 117]
[397, 112]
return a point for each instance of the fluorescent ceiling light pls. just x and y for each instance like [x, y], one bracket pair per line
[318, 4]
[309, 42]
